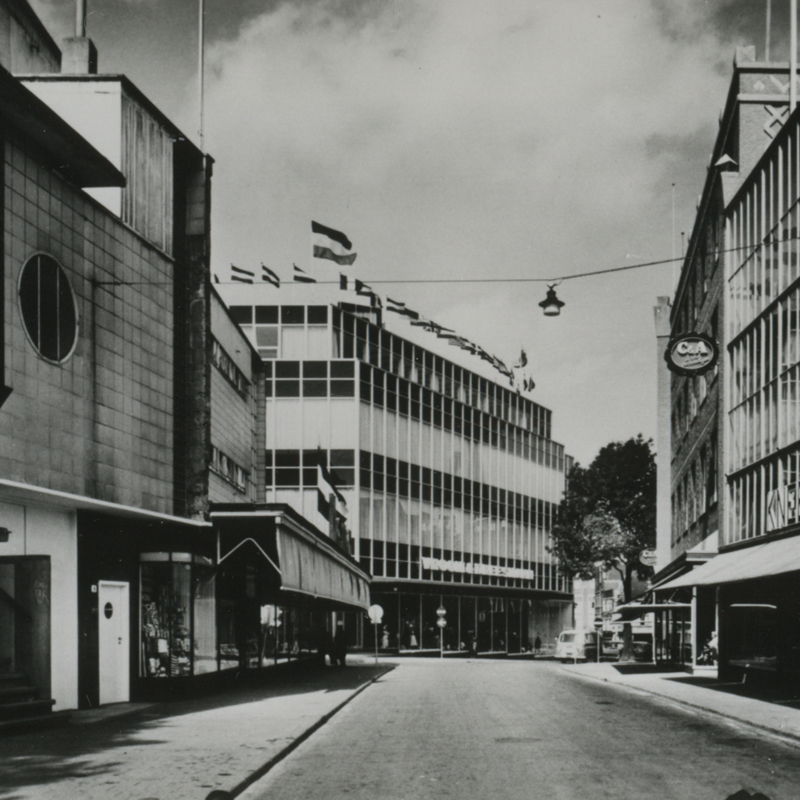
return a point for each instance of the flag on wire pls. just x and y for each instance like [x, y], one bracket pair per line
[362, 288]
[430, 325]
[460, 341]
[241, 275]
[326, 489]
[366, 291]
[331, 244]
[301, 277]
[269, 276]
[343, 282]
[523, 360]
[400, 308]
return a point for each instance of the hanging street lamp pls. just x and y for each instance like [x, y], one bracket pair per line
[551, 305]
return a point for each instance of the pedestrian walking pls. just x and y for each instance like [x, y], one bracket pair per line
[537, 645]
[339, 645]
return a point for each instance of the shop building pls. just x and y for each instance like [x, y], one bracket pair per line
[281, 583]
[102, 412]
[450, 474]
[117, 405]
[745, 593]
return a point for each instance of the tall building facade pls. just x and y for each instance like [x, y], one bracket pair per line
[451, 477]
[745, 593]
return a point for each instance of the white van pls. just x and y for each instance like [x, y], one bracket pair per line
[575, 645]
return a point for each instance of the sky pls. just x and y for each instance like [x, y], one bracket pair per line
[467, 141]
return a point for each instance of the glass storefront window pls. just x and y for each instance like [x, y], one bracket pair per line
[409, 622]
[430, 631]
[484, 627]
[177, 615]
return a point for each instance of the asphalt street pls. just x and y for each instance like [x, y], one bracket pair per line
[503, 729]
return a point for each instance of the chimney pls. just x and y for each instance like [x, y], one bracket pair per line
[79, 55]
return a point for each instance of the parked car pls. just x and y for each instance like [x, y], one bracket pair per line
[611, 647]
[642, 649]
[576, 645]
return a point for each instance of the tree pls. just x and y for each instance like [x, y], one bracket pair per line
[608, 515]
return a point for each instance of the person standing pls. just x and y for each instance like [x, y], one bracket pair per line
[537, 645]
[339, 645]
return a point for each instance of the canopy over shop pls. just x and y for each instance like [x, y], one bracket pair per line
[282, 578]
[753, 592]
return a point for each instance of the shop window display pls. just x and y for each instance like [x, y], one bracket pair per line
[177, 615]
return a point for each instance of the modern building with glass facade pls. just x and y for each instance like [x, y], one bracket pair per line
[450, 474]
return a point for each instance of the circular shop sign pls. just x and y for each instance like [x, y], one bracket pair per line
[648, 558]
[691, 354]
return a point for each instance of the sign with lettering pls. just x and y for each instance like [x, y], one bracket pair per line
[647, 557]
[691, 354]
[782, 507]
[471, 568]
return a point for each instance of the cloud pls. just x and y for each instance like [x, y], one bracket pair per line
[471, 139]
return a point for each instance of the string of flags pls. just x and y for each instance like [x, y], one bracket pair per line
[333, 245]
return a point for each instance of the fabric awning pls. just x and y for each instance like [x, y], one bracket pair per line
[628, 613]
[758, 561]
[313, 570]
[307, 561]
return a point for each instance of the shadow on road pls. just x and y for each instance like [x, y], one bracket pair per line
[86, 746]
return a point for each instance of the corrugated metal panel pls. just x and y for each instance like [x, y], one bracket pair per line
[147, 160]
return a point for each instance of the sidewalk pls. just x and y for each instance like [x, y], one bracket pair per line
[772, 711]
[179, 750]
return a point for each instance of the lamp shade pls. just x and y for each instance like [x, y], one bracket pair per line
[551, 305]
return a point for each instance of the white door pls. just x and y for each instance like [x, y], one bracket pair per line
[114, 625]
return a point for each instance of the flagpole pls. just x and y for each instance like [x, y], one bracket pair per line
[768, 31]
[201, 68]
[793, 57]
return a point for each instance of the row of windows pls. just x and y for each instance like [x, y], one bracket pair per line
[310, 379]
[319, 379]
[700, 266]
[764, 357]
[355, 337]
[286, 332]
[419, 403]
[391, 560]
[763, 232]
[697, 491]
[227, 468]
[283, 331]
[225, 364]
[294, 468]
[690, 399]
[288, 469]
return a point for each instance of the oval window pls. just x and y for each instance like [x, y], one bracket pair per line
[108, 610]
[48, 308]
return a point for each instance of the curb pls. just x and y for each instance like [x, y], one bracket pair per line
[295, 743]
[788, 737]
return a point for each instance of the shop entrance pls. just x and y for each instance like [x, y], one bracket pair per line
[25, 625]
[114, 646]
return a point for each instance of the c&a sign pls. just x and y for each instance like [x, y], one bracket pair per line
[691, 354]
[782, 508]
